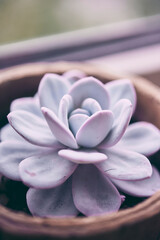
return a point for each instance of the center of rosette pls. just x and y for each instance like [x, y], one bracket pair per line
[78, 116]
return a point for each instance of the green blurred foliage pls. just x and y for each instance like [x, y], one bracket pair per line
[25, 19]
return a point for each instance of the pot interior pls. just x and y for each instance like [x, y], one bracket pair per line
[23, 82]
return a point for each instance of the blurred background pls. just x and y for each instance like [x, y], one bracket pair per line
[87, 26]
[25, 19]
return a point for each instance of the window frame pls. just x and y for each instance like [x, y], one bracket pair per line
[86, 44]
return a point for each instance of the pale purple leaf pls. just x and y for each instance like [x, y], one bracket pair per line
[59, 130]
[120, 89]
[122, 114]
[51, 89]
[54, 202]
[73, 75]
[65, 107]
[82, 156]
[12, 152]
[80, 111]
[91, 105]
[95, 129]
[32, 128]
[89, 87]
[76, 121]
[8, 133]
[141, 137]
[45, 170]
[29, 104]
[125, 165]
[140, 188]
[94, 194]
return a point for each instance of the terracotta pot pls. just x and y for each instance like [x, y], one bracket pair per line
[140, 222]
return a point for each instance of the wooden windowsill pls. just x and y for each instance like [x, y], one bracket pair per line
[144, 61]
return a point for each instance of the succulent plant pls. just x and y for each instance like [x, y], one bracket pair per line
[72, 145]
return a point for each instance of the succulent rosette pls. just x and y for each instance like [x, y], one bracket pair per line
[71, 144]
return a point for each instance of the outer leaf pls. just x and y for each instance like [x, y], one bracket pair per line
[94, 194]
[32, 128]
[122, 115]
[8, 133]
[73, 75]
[141, 137]
[45, 170]
[125, 165]
[51, 89]
[140, 188]
[29, 104]
[52, 202]
[120, 89]
[12, 153]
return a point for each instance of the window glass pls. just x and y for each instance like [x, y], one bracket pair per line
[25, 19]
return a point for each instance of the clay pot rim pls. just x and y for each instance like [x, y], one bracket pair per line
[86, 226]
